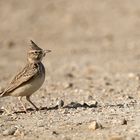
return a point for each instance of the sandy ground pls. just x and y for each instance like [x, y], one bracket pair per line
[95, 57]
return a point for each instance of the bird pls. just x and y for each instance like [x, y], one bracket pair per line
[30, 78]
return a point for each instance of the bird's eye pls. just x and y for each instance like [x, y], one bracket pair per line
[36, 52]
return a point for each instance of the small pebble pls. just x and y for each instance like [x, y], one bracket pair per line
[129, 97]
[19, 133]
[94, 125]
[54, 133]
[131, 75]
[9, 131]
[68, 85]
[124, 122]
[111, 89]
[60, 103]
[90, 97]
[70, 75]
[107, 83]
[92, 103]
[65, 111]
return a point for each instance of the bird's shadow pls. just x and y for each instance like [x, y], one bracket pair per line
[71, 105]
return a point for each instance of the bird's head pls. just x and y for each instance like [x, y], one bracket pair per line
[36, 54]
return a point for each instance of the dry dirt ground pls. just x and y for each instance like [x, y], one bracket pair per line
[95, 57]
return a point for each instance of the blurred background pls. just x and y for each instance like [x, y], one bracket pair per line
[92, 32]
[87, 38]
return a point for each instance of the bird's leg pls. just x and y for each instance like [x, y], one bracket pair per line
[28, 99]
[20, 97]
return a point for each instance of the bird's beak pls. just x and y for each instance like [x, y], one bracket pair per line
[46, 51]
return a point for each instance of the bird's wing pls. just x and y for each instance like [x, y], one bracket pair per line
[22, 77]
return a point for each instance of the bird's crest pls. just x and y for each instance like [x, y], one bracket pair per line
[33, 46]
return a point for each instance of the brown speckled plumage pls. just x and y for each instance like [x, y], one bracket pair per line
[31, 77]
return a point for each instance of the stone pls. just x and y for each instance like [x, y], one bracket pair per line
[70, 75]
[131, 75]
[94, 125]
[124, 122]
[90, 97]
[68, 85]
[60, 103]
[54, 133]
[92, 103]
[9, 131]
[19, 133]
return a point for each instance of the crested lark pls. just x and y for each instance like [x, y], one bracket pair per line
[30, 79]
